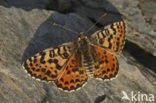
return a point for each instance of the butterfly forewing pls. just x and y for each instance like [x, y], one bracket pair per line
[111, 37]
[50, 63]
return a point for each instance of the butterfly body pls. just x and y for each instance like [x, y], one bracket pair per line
[70, 65]
[86, 51]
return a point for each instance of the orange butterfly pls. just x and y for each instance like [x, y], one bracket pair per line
[70, 64]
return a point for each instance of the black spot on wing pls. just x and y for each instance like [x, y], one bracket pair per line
[103, 71]
[33, 68]
[62, 79]
[58, 66]
[114, 30]
[58, 51]
[78, 86]
[72, 81]
[103, 34]
[96, 66]
[68, 72]
[55, 61]
[59, 85]
[50, 61]
[72, 87]
[42, 57]
[77, 80]
[65, 54]
[53, 76]
[48, 72]
[101, 41]
[66, 83]
[37, 69]
[45, 78]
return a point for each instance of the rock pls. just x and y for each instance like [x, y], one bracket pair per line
[24, 33]
[25, 4]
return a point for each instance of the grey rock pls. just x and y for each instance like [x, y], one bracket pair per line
[24, 33]
[25, 4]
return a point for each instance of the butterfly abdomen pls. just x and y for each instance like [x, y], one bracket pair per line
[87, 60]
[88, 65]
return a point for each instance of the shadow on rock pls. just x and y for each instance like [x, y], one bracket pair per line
[64, 6]
[141, 56]
[48, 35]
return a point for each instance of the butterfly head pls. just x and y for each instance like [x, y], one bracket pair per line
[82, 36]
[82, 40]
[82, 33]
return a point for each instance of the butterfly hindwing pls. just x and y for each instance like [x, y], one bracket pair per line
[111, 37]
[106, 64]
[73, 76]
[48, 64]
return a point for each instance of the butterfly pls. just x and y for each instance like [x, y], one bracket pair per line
[70, 65]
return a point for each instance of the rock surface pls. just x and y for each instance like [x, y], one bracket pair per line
[24, 32]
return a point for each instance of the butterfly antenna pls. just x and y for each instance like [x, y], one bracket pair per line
[96, 22]
[65, 28]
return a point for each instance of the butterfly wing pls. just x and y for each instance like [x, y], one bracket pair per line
[111, 37]
[74, 76]
[49, 64]
[106, 64]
